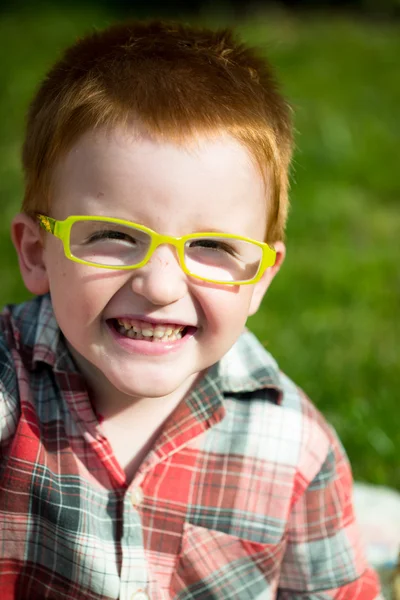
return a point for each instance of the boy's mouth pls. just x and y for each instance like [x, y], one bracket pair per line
[157, 332]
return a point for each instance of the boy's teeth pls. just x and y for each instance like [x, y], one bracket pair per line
[159, 333]
[147, 332]
[137, 336]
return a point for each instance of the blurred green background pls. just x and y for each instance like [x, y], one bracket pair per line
[331, 317]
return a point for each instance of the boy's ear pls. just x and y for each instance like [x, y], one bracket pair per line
[261, 286]
[28, 242]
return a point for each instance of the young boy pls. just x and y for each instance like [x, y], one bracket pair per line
[151, 448]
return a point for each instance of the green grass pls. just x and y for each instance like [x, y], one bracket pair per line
[331, 317]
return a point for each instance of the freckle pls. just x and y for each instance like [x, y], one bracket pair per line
[100, 194]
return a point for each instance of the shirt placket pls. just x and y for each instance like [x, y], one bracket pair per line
[134, 569]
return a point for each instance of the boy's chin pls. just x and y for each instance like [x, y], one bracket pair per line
[158, 389]
[112, 381]
[147, 383]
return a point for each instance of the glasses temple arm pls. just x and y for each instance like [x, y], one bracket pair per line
[46, 223]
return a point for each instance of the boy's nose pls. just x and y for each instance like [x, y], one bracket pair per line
[161, 280]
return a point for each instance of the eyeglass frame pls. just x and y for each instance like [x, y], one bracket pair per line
[62, 230]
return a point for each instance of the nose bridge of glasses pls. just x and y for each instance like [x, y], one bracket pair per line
[159, 239]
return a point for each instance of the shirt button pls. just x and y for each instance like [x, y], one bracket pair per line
[140, 595]
[136, 499]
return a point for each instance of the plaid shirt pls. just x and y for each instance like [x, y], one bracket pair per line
[246, 493]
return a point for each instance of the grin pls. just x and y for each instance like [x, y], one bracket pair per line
[142, 330]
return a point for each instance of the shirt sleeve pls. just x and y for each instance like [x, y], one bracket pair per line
[9, 404]
[324, 558]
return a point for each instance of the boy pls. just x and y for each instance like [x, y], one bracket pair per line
[150, 446]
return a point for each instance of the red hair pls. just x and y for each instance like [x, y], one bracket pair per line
[179, 82]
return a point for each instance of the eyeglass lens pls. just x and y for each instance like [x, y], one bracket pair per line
[215, 258]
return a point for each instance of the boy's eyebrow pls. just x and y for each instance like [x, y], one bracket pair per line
[210, 230]
[214, 230]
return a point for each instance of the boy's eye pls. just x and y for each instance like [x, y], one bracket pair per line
[111, 234]
[210, 244]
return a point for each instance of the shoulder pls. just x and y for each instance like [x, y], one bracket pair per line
[278, 407]
[18, 322]
[9, 397]
[30, 331]
[12, 333]
[18, 329]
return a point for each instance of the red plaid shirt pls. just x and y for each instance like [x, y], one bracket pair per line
[246, 494]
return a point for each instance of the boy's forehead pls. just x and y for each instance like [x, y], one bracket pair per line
[121, 169]
[212, 148]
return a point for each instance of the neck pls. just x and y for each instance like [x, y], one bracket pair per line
[113, 404]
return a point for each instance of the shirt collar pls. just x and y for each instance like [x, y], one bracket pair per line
[248, 367]
[49, 345]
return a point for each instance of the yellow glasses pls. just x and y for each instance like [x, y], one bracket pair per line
[117, 244]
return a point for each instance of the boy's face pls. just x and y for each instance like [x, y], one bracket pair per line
[210, 185]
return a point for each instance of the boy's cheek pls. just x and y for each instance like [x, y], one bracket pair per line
[228, 312]
[256, 299]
